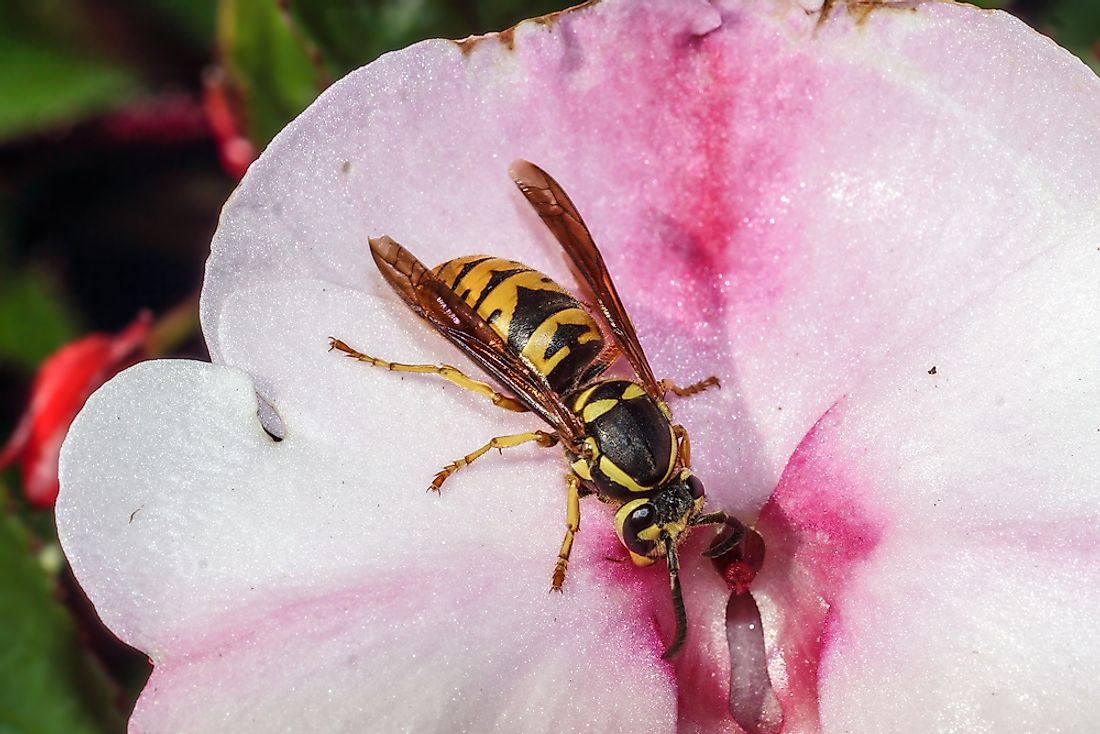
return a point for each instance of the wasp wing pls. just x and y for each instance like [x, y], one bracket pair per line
[558, 213]
[432, 300]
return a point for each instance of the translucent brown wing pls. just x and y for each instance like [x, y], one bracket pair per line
[555, 209]
[432, 300]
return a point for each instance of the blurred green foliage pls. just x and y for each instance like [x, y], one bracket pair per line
[85, 159]
[268, 64]
[34, 319]
[1074, 24]
[45, 79]
[194, 18]
[50, 683]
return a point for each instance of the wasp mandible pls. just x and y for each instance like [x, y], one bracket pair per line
[550, 354]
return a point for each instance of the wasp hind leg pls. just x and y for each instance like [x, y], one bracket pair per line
[572, 525]
[542, 438]
[446, 371]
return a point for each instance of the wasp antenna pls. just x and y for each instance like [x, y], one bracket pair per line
[733, 530]
[677, 599]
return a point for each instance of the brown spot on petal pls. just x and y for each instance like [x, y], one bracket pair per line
[862, 9]
[507, 37]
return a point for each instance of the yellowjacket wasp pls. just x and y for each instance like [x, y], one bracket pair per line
[550, 352]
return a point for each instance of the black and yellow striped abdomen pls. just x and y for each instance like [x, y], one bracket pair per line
[538, 318]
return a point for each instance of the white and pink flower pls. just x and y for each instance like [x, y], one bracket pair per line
[881, 229]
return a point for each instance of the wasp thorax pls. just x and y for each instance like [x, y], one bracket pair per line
[630, 444]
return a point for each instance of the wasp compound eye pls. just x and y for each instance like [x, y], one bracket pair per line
[695, 487]
[641, 519]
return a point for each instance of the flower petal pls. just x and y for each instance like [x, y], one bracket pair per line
[221, 552]
[937, 535]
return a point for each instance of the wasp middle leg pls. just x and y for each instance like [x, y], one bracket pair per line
[542, 438]
[572, 525]
[695, 387]
[446, 371]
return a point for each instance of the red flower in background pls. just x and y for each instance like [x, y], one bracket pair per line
[63, 383]
[235, 150]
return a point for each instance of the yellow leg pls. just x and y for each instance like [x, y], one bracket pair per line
[670, 386]
[446, 371]
[572, 525]
[685, 444]
[542, 438]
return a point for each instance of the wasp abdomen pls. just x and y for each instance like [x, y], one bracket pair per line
[538, 318]
[631, 437]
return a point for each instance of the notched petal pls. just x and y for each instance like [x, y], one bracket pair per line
[159, 482]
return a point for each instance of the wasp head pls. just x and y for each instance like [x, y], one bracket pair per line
[647, 525]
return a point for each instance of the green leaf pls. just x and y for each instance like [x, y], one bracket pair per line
[1075, 24]
[497, 15]
[44, 84]
[269, 65]
[194, 17]
[350, 33]
[33, 320]
[50, 684]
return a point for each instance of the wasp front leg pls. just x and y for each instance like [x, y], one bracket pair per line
[685, 444]
[695, 387]
[542, 438]
[572, 525]
[446, 371]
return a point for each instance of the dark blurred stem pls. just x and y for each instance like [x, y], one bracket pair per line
[174, 327]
